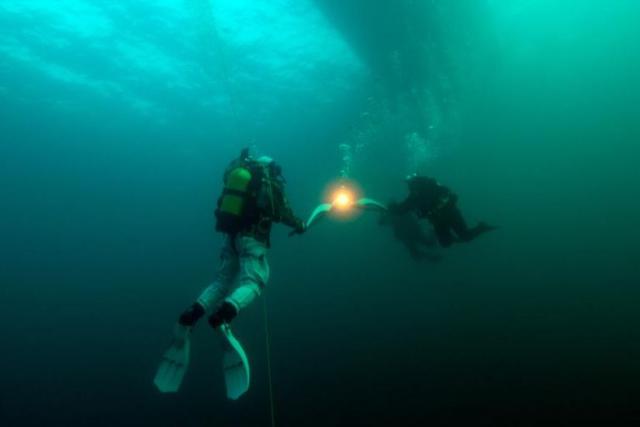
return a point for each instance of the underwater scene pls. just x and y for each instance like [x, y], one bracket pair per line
[319, 213]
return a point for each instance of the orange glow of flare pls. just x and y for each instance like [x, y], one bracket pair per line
[342, 199]
[342, 196]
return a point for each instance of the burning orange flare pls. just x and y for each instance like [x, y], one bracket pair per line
[342, 199]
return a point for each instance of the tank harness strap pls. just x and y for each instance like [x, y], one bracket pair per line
[269, 185]
[232, 240]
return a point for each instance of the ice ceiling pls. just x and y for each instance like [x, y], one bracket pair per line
[158, 58]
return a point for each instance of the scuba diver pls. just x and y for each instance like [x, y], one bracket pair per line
[407, 230]
[438, 204]
[252, 200]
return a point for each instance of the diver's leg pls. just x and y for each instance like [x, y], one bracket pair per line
[443, 234]
[481, 228]
[175, 360]
[252, 277]
[210, 299]
[465, 233]
[415, 252]
[459, 225]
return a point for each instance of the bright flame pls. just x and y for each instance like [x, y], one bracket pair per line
[342, 197]
[342, 201]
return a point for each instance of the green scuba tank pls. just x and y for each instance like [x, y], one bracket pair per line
[235, 192]
[238, 206]
[235, 205]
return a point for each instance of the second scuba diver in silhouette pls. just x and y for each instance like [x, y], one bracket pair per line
[438, 204]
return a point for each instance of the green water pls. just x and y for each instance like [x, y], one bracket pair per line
[117, 122]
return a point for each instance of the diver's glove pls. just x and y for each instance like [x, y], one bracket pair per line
[393, 208]
[298, 228]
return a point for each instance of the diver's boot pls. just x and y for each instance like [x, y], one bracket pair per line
[483, 227]
[225, 314]
[479, 229]
[191, 315]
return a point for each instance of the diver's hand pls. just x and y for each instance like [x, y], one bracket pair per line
[299, 228]
[393, 208]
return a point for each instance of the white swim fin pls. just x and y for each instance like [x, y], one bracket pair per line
[235, 364]
[175, 361]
